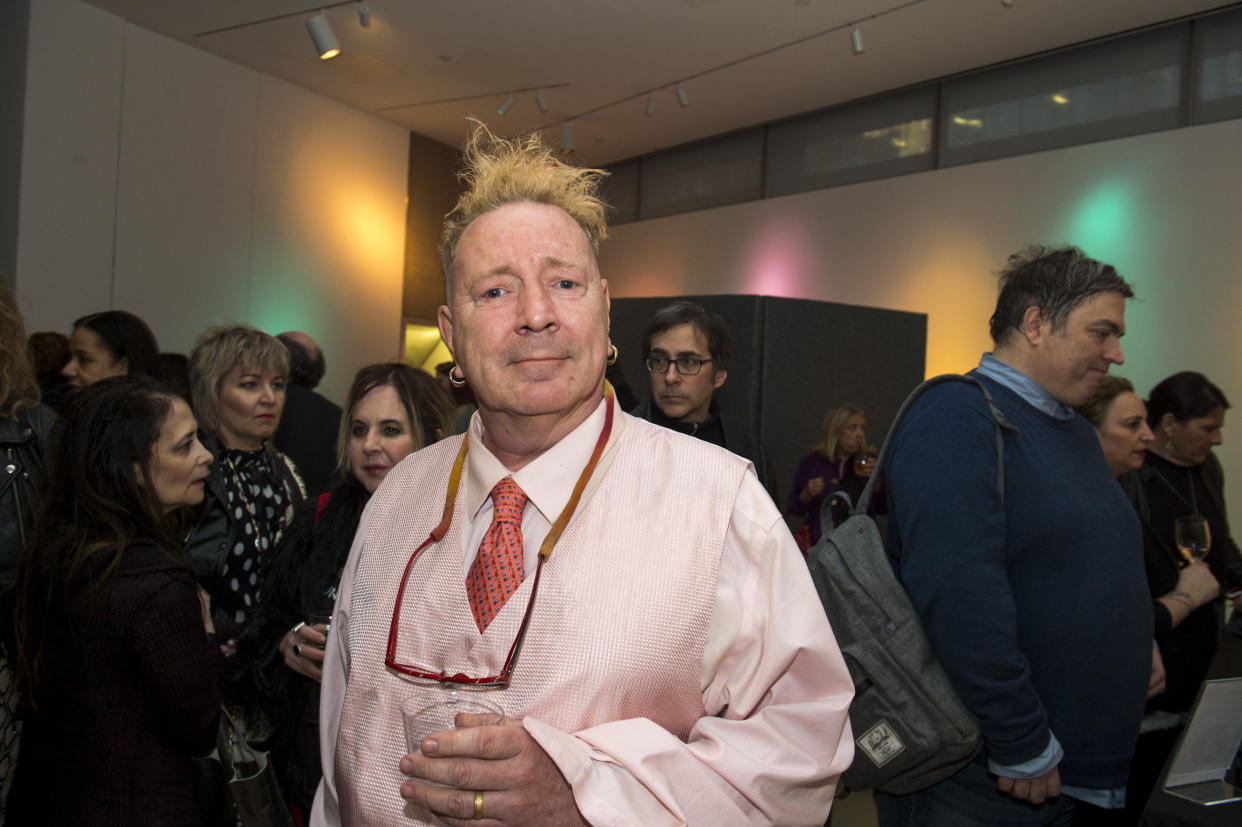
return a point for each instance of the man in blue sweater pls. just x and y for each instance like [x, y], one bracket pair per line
[1033, 595]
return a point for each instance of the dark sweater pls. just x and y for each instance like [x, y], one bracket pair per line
[1037, 607]
[129, 697]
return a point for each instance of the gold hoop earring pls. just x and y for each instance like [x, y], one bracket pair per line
[613, 353]
[453, 380]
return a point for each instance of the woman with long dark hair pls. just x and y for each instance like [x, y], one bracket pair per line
[111, 343]
[117, 662]
[392, 410]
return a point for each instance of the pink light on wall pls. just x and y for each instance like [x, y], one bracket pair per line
[778, 262]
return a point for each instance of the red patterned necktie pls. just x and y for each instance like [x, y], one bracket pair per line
[497, 570]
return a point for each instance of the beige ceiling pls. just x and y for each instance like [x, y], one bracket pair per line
[429, 64]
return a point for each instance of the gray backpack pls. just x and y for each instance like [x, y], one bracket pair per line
[910, 728]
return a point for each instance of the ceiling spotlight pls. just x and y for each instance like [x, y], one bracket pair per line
[326, 44]
[364, 15]
[540, 102]
[567, 137]
[650, 104]
[856, 40]
[682, 97]
[504, 107]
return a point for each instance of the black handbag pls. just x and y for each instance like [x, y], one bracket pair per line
[236, 784]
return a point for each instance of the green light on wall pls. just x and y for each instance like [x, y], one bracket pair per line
[1103, 222]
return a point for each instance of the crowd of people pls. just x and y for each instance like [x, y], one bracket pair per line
[182, 535]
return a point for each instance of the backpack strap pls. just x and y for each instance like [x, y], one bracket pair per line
[998, 418]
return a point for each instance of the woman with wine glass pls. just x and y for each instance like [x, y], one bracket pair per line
[840, 461]
[1181, 477]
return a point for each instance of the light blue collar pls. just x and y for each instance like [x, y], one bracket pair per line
[1024, 386]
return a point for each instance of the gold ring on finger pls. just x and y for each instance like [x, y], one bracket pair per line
[478, 805]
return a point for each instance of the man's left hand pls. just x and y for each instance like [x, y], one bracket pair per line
[520, 783]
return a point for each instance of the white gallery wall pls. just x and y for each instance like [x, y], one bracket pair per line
[192, 191]
[1164, 208]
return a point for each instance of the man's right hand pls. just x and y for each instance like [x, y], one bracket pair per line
[1034, 790]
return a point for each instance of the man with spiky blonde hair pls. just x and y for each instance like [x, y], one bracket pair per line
[626, 599]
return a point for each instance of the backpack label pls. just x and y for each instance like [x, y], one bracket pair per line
[880, 743]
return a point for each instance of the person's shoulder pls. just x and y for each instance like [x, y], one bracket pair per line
[651, 436]
[144, 558]
[953, 403]
[324, 404]
[40, 417]
[642, 410]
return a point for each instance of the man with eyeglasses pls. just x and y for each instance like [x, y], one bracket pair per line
[628, 599]
[687, 349]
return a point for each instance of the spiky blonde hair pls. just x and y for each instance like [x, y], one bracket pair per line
[497, 171]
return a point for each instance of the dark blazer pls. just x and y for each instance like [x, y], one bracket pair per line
[307, 433]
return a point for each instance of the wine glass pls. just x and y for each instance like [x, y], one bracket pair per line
[1193, 537]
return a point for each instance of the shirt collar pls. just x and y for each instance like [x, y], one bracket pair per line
[548, 480]
[1024, 386]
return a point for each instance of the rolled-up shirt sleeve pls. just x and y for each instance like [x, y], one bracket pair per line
[776, 689]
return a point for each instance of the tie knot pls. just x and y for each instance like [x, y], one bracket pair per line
[508, 501]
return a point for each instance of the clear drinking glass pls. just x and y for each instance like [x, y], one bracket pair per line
[864, 463]
[420, 719]
[1193, 537]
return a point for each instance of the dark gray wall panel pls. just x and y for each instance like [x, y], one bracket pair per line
[793, 359]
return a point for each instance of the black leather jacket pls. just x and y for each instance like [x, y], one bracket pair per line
[208, 542]
[23, 447]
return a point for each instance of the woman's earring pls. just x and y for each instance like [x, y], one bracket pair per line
[613, 353]
[454, 380]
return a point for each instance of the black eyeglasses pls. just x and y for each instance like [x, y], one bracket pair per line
[686, 365]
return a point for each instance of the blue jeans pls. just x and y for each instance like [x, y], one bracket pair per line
[969, 799]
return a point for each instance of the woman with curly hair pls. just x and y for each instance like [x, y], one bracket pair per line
[24, 427]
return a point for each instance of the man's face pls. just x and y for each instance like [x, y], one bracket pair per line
[1071, 362]
[686, 398]
[527, 314]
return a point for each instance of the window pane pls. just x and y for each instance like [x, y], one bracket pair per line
[1108, 90]
[708, 174]
[1218, 55]
[855, 142]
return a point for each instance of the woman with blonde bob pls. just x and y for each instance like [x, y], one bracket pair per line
[392, 411]
[831, 466]
[237, 379]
